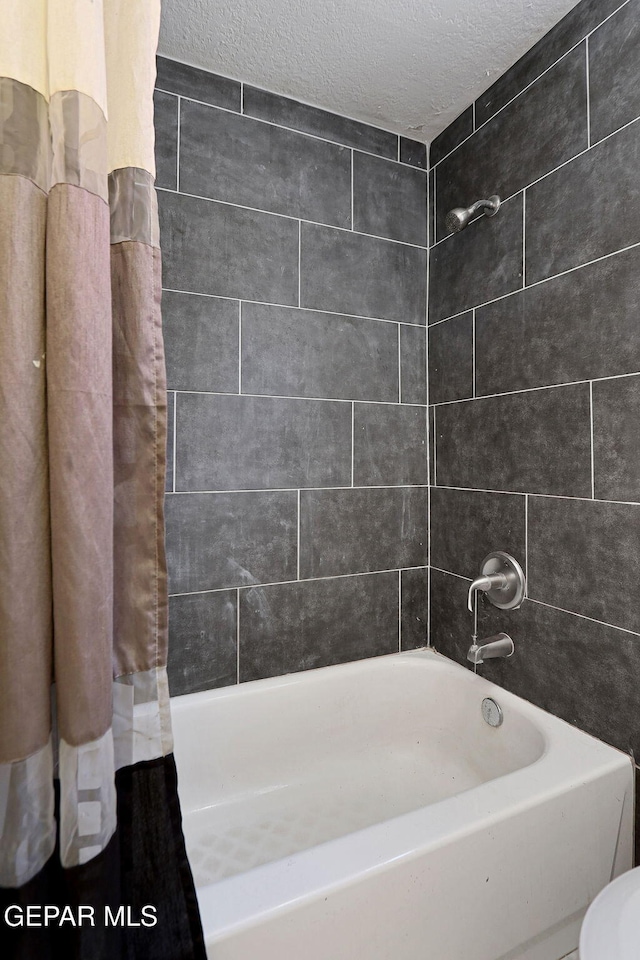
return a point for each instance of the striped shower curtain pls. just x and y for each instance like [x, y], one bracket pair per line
[89, 815]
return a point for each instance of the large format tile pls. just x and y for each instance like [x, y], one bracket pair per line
[540, 130]
[451, 359]
[413, 365]
[536, 442]
[165, 110]
[583, 18]
[577, 326]
[479, 264]
[321, 123]
[227, 251]
[299, 626]
[199, 84]
[247, 443]
[414, 153]
[584, 555]
[304, 353]
[239, 160]
[201, 342]
[569, 666]
[466, 525]
[452, 136]
[588, 208]
[389, 444]
[389, 199]
[414, 608]
[349, 273]
[614, 55]
[616, 438]
[230, 539]
[355, 531]
[202, 642]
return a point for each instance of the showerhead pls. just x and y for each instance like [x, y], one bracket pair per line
[458, 218]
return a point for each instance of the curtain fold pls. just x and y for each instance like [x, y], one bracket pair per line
[89, 811]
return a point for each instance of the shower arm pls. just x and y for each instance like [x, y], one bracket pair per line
[489, 206]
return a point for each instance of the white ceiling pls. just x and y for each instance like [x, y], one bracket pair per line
[410, 66]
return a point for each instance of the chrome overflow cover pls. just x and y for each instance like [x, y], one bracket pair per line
[492, 712]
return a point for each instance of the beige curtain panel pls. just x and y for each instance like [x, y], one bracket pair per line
[83, 596]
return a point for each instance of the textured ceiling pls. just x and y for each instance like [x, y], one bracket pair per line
[410, 66]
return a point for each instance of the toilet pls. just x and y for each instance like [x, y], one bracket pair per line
[611, 927]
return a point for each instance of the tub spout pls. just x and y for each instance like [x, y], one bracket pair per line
[499, 646]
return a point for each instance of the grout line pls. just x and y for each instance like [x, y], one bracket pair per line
[299, 263]
[298, 569]
[398, 148]
[588, 84]
[429, 202]
[237, 635]
[526, 544]
[537, 283]
[473, 352]
[551, 606]
[353, 435]
[529, 85]
[430, 207]
[276, 396]
[367, 486]
[435, 209]
[179, 130]
[399, 611]
[241, 98]
[288, 216]
[435, 449]
[593, 475]
[524, 236]
[546, 386]
[240, 346]
[450, 573]
[175, 434]
[613, 626]
[294, 306]
[428, 624]
[279, 583]
[542, 496]
[399, 368]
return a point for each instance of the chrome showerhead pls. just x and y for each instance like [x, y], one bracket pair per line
[458, 218]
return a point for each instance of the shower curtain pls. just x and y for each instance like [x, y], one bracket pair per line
[89, 816]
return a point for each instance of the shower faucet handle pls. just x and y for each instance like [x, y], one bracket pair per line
[494, 581]
[502, 579]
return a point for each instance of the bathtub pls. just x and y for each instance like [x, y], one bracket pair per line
[368, 812]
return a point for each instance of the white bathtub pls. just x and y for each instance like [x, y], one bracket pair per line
[368, 812]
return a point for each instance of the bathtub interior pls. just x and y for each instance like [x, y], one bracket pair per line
[278, 766]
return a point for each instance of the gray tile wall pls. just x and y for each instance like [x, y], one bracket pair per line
[294, 271]
[534, 369]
